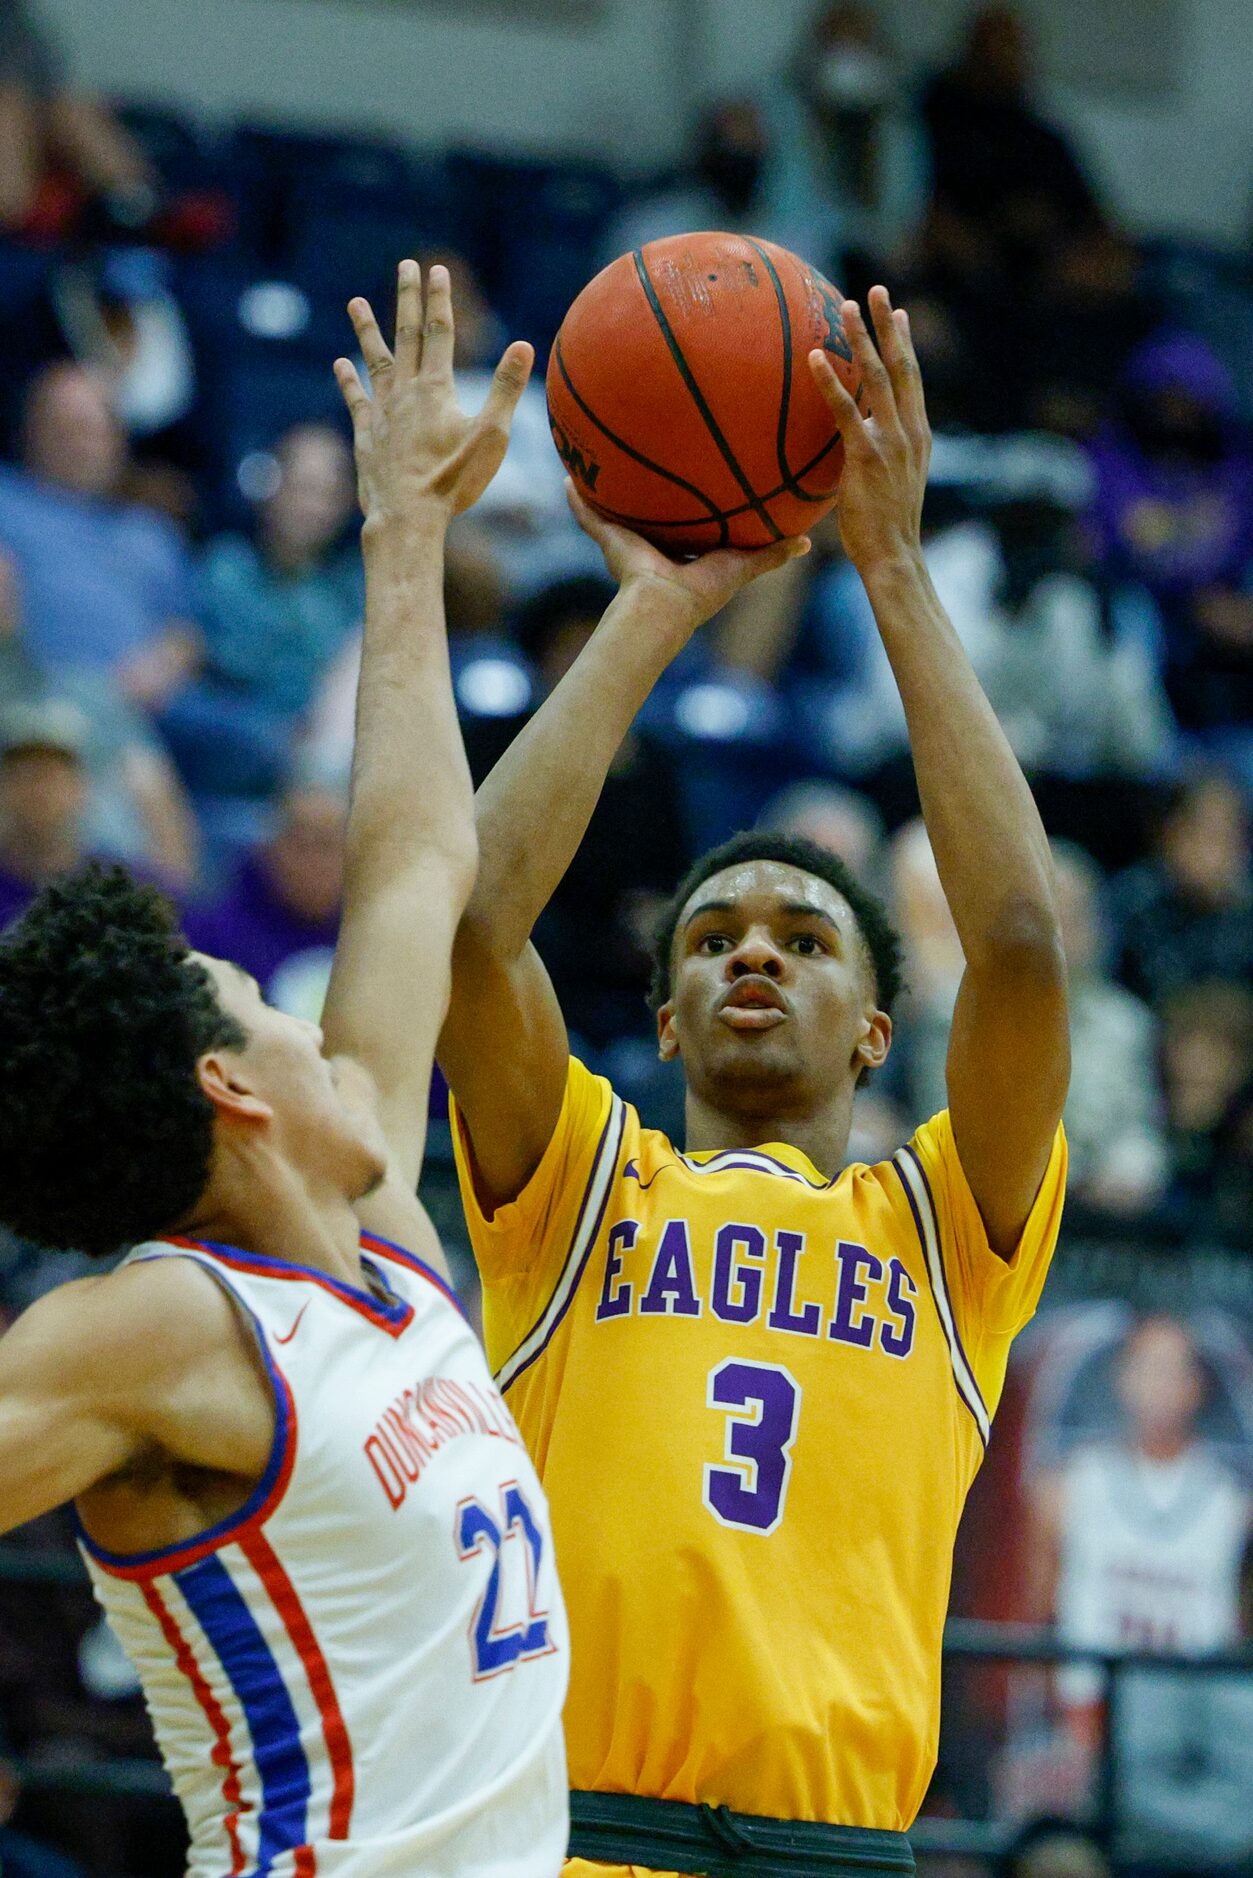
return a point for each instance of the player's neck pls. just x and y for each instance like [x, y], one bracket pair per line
[822, 1137]
[265, 1205]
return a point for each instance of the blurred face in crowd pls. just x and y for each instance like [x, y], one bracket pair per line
[998, 52]
[310, 508]
[43, 794]
[1204, 843]
[847, 67]
[838, 822]
[731, 151]
[1207, 1054]
[72, 436]
[305, 858]
[1077, 912]
[1161, 1384]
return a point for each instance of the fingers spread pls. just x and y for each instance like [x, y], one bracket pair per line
[408, 317]
[354, 392]
[373, 346]
[836, 393]
[437, 327]
[508, 384]
[892, 330]
[873, 371]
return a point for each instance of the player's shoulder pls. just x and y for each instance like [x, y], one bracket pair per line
[142, 1321]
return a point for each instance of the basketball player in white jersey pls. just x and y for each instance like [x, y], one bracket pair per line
[305, 1507]
[1137, 1541]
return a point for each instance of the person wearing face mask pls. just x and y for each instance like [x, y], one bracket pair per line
[847, 151]
[719, 186]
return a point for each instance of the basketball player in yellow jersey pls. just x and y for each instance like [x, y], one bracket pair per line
[758, 1382]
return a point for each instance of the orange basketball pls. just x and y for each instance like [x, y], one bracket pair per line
[681, 399]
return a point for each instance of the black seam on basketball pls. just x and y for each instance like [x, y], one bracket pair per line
[724, 515]
[698, 398]
[790, 482]
[715, 513]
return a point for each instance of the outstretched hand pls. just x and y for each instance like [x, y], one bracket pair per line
[886, 450]
[414, 446]
[697, 589]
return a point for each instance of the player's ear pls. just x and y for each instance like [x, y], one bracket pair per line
[872, 1046]
[667, 1041]
[224, 1080]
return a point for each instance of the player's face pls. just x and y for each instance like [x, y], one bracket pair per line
[324, 1109]
[772, 1007]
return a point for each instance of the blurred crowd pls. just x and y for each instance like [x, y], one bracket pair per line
[181, 592]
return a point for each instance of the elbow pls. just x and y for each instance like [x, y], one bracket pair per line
[1024, 940]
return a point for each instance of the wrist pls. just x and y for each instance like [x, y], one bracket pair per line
[669, 612]
[895, 570]
[386, 533]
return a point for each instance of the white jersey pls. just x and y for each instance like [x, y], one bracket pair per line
[361, 1674]
[1150, 1555]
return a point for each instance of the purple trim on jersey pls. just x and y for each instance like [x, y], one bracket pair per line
[222, 1613]
[939, 1246]
[387, 1248]
[393, 1316]
[620, 1107]
[751, 1167]
[259, 1504]
[926, 1266]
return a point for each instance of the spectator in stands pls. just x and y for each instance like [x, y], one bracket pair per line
[934, 964]
[1174, 507]
[720, 186]
[1207, 1074]
[275, 611]
[105, 587]
[847, 175]
[1113, 1122]
[279, 916]
[842, 821]
[48, 805]
[68, 166]
[1187, 912]
[1016, 229]
[635, 847]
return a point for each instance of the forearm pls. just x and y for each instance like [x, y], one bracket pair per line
[989, 843]
[534, 808]
[412, 798]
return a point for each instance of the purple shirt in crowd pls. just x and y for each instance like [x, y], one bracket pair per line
[250, 926]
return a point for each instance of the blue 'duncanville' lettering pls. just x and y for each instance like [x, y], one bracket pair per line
[871, 1303]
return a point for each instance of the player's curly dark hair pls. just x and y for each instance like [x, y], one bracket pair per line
[105, 1133]
[879, 936]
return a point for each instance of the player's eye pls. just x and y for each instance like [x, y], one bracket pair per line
[808, 945]
[714, 943]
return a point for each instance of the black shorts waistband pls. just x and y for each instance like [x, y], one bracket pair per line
[669, 1835]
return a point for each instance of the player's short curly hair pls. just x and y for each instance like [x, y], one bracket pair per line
[879, 936]
[105, 1133]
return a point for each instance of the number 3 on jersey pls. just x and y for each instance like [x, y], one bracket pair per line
[762, 1403]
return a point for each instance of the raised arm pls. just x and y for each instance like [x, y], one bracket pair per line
[411, 842]
[504, 1048]
[1009, 1051]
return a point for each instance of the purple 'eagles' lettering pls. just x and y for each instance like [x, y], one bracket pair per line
[844, 1293]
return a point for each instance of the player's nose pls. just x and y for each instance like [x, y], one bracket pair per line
[756, 952]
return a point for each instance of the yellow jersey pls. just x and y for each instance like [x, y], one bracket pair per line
[757, 1399]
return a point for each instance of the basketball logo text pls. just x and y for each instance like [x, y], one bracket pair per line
[582, 468]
